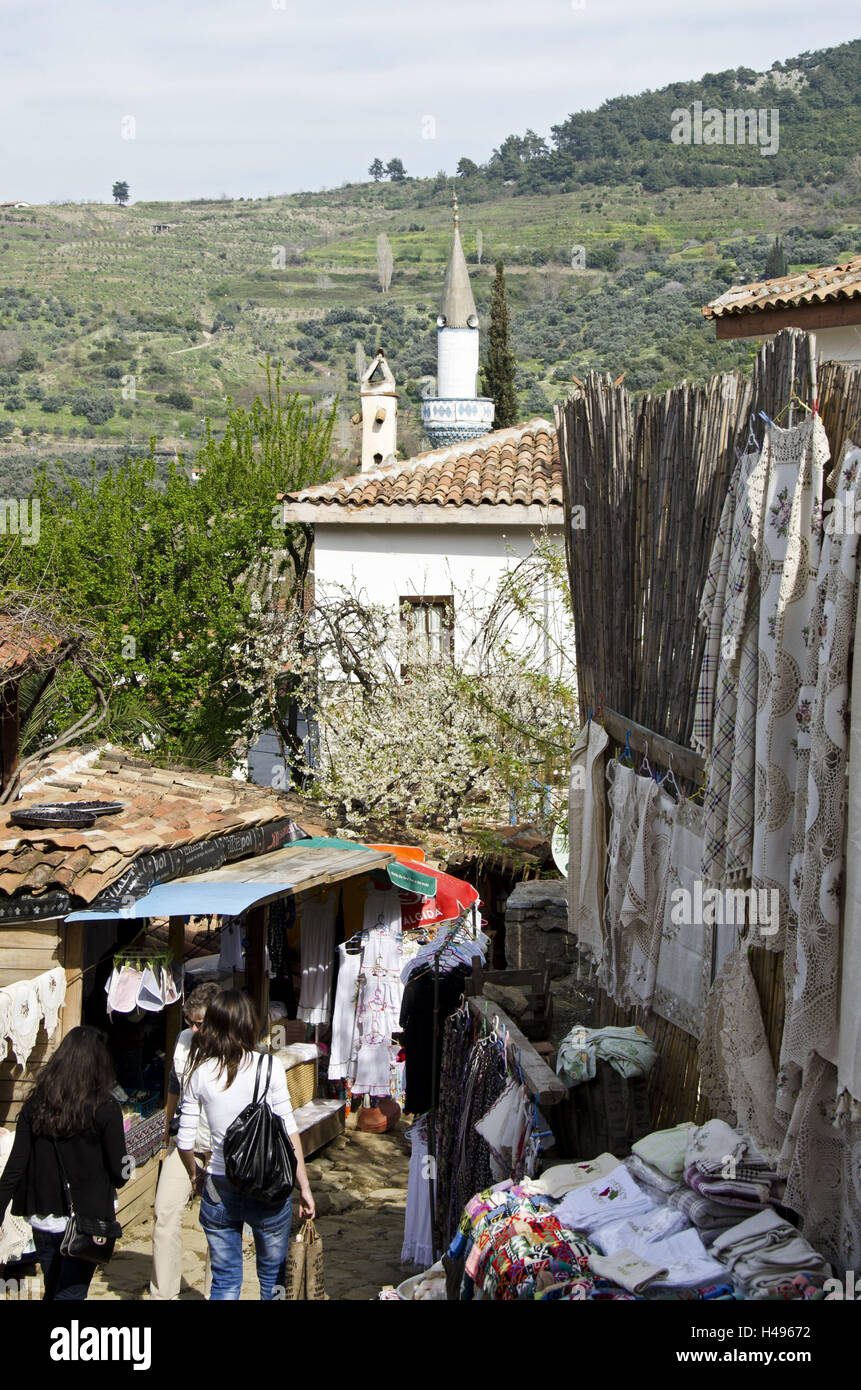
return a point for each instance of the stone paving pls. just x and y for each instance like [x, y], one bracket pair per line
[359, 1183]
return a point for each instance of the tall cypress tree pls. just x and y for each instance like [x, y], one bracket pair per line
[776, 263]
[499, 367]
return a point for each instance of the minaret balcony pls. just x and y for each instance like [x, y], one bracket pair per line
[447, 420]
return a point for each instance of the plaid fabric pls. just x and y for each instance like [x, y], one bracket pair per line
[731, 762]
[703, 1213]
[711, 617]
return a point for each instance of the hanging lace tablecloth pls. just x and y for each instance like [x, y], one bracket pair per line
[812, 960]
[684, 962]
[787, 552]
[823, 1184]
[642, 915]
[849, 1043]
[624, 813]
[737, 1073]
[587, 838]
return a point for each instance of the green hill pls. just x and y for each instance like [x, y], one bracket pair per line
[112, 331]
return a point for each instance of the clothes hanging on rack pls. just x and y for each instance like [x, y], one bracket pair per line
[344, 1014]
[317, 948]
[368, 1000]
[418, 1236]
[456, 1050]
[232, 943]
[282, 915]
[417, 1025]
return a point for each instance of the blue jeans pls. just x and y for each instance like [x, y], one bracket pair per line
[66, 1280]
[223, 1220]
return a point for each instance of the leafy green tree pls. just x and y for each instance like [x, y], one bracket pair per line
[182, 577]
[467, 168]
[396, 171]
[376, 170]
[776, 263]
[28, 361]
[500, 364]
[120, 192]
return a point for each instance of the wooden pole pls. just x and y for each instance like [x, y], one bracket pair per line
[173, 1014]
[72, 934]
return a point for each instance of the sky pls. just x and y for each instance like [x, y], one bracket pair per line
[197, 98]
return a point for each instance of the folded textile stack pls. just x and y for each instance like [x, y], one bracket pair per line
[681, 1256]
[629, 1051]
[765, 1254]
[723, 1166]
[650, 1177]
[665, 1150]
[611, 1198]
[709, 1218]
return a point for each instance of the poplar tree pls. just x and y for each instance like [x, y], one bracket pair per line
[499, 367]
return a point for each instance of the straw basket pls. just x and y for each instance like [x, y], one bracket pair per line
[302, 1083]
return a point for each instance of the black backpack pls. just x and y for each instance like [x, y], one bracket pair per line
[259, 1159]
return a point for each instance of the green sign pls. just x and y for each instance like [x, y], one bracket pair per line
[412, 880]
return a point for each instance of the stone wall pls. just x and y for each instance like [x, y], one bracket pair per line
[536, 928]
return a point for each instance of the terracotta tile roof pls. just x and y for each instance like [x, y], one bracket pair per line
[828, 282]
[519, 465]
[165, 808]
[22, 643]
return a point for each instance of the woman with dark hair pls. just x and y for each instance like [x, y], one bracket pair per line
[220, 1079]
[70, 1125]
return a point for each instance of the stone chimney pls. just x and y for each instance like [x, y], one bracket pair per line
[379, 414]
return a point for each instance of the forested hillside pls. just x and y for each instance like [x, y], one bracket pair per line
[119, 324]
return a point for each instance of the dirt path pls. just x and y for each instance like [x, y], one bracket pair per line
[360, 1185]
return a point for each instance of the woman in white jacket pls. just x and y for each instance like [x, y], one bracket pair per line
[220, 1077]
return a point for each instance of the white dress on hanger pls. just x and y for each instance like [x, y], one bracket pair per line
[380, 993]
[317, 937]
[418, 1241]
[344, 1015]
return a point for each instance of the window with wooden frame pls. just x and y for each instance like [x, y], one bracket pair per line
[427, 628]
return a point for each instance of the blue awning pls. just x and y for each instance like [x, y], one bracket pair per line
[247, 883]
[184, 899]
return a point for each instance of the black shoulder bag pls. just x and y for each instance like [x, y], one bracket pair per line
[86, 1237]
[259, 1159]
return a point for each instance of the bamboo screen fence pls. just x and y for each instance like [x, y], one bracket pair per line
[651, 475]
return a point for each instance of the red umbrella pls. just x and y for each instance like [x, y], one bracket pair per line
[452, 896]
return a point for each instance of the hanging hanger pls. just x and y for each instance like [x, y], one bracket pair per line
[627, 751]
[645, 763]
[670, 776]
[700, 794]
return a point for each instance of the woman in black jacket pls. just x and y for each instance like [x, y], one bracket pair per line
[70, 1117]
